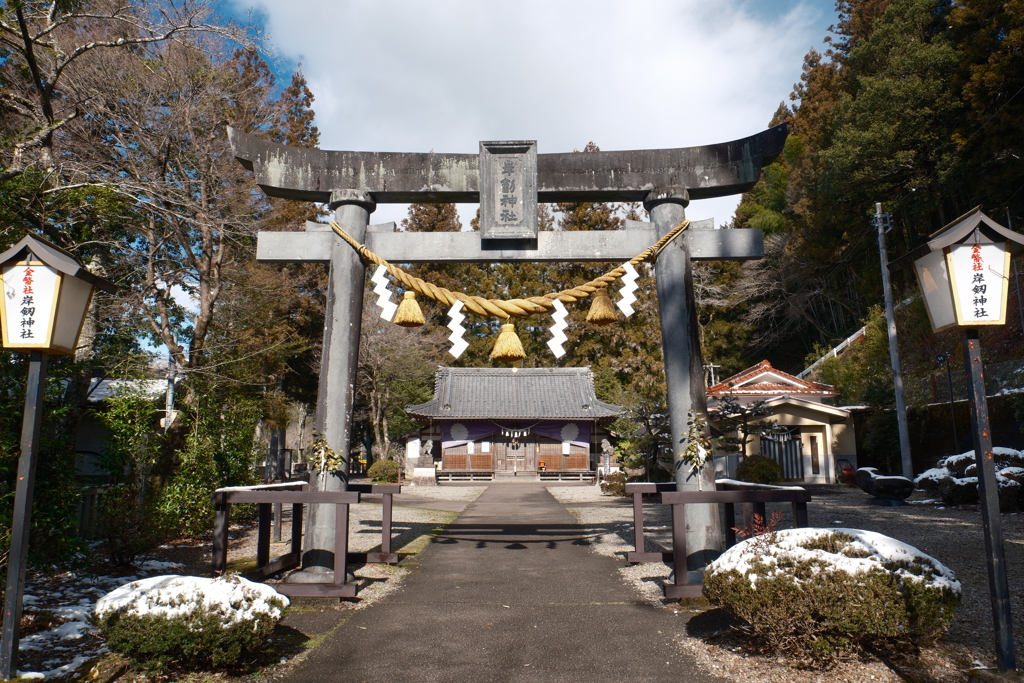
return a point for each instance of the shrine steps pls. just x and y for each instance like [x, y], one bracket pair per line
[501, 476]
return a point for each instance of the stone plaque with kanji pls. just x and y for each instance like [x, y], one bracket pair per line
[508, 190]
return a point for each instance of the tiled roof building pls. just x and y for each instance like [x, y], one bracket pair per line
[763, 381]
[515, 393]
[812, 442]
[488, 423]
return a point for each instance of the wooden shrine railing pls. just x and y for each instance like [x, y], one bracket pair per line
[298, 495]
[385, 556]
[688, 584]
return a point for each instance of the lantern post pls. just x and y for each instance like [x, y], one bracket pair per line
[45, 296]
[963, 272]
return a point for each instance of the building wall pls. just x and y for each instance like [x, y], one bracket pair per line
[544, 450]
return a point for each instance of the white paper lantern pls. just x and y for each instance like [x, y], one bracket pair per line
[963, 272]
[45, 295]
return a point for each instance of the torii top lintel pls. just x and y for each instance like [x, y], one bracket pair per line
[303, 174]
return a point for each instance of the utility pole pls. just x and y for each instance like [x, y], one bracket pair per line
[881, 220]
[1016, 277]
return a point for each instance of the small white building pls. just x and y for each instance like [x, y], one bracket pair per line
[812, 438]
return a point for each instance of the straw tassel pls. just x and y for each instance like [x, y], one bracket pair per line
[602, 312]
[409, 313]
[508, 348]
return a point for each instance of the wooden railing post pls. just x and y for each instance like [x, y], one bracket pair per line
[730, 525]
[297, 528]
[638, 524]
[341, 544]
[221, 514]
[682, 588]
[263, 535]
[385, 533]
[640, 553]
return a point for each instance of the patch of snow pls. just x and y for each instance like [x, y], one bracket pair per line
[44, 640]
[893, 477]
[157, 565]
[73, 612]
[78, 661]
[935, 474]
[234, 598]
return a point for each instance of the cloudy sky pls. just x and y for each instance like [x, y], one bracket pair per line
[408, 76]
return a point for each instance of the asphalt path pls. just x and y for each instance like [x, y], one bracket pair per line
[509, 592]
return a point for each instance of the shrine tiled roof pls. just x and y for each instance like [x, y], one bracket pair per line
[515, 393]
[763, 380]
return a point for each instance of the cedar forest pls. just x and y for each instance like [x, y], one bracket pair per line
[113, 146]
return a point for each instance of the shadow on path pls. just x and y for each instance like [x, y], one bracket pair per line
[509, 592]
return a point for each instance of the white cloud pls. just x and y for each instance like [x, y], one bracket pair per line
[414, 76]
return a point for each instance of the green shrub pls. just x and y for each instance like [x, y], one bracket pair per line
[186, 503]
[820, 593]
[188, 622]
[384, 472]
[759, 469]
[127, 523]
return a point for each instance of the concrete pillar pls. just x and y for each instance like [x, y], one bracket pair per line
[338, 365]
[684, 369]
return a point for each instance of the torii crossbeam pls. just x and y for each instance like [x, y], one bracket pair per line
[352, 183]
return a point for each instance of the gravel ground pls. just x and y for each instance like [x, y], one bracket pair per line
[461, 493]
[411, 529]
[951, 535]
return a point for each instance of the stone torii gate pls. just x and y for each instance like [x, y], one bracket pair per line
[508, 179]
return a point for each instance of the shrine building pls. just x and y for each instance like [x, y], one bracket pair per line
[813, 442]
[495, 423]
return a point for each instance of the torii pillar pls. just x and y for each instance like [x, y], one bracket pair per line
[338, 366]
[665, 180]
[684, 368]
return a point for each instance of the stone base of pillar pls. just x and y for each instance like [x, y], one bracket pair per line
[311, 575]
[424, 476]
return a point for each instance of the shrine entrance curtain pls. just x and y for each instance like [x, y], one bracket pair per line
[459, 432]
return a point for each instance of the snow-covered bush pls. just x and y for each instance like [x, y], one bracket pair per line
[189, 621]
[820, 593]
[955, 479]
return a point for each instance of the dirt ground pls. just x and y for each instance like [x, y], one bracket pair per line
[951, 535]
